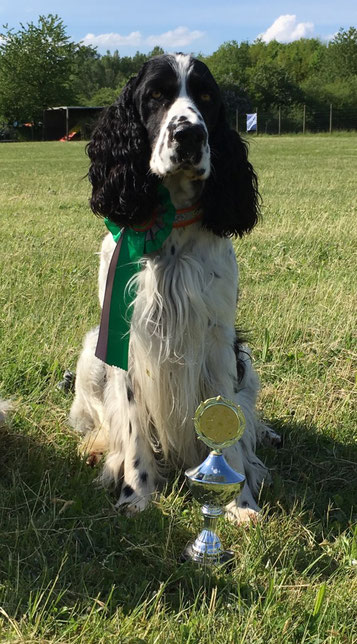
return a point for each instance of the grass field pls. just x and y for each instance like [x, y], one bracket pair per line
[71, 568]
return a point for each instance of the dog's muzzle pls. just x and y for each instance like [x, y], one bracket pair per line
[189, 141]
[182, 145]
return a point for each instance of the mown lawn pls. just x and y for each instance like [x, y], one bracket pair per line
[71, 568]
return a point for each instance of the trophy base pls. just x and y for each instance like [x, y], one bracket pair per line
[221, 558]
[207, 549]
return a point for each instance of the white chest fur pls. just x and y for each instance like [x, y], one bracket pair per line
[182, 332]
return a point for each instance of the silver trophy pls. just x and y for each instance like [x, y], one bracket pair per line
[219, 423]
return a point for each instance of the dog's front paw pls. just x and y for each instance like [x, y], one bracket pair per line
[241, 516]
[131, 501]
[243, 509]
[130, 509]
[267, 436]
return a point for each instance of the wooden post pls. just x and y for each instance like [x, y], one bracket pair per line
[237, 121]
[67, 124]
[304, 120]
[279, 126]
[330, 118]
[256, 110]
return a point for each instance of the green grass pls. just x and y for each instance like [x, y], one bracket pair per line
[71, 568]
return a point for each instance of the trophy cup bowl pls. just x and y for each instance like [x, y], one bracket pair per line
[219, 423]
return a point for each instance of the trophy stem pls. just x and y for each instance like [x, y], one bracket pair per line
[210, 516]
[207, 549]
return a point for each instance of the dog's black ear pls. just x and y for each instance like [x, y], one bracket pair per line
[230, 198]
[123, 188]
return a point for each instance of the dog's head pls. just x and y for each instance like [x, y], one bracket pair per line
[170, 119]
[178, 102]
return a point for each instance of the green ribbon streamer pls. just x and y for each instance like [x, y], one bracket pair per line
[134, 245]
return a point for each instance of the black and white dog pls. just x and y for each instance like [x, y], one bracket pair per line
[168, 126]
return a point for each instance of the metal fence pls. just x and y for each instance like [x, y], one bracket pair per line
[299, 119]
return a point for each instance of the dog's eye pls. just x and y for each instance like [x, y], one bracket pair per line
[156, 94]
[205, 97]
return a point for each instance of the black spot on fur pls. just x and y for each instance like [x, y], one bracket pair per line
[130, 429]
[171, 128]
[128, 491]
[129, 393]
[172, 249]
[216, 275]
[143, 477]
[245, 504]
[137, 462]
[183, 119]
[237, 347]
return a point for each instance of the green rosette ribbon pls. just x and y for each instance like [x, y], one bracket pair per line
[131, 246]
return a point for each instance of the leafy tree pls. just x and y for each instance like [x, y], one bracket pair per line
[231, 63]
[36, 63]
[273, 86]
[303, 58]
[157, 51]
[99, 78]
[86, 75]
[40, 67]
[104, 96]
[342, 52]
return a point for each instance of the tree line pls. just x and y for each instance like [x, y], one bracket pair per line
[40, 67]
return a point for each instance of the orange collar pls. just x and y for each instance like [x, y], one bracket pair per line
[184, 217]
[187, 216]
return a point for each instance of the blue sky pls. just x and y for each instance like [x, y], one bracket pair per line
[185, 25]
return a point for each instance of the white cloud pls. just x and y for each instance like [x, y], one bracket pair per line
[179, 37]
[329, 37]
[112, 41]
[286, 29]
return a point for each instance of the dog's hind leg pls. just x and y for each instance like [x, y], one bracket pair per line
[87, 411]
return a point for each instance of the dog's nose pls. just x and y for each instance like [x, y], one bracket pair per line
[189, 139]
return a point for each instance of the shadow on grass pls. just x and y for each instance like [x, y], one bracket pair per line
[313, 470]
[64, 545]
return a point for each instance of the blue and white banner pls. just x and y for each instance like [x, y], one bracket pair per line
[252, 122]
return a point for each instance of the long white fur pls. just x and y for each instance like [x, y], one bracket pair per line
[181, 352]
[5, 408]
